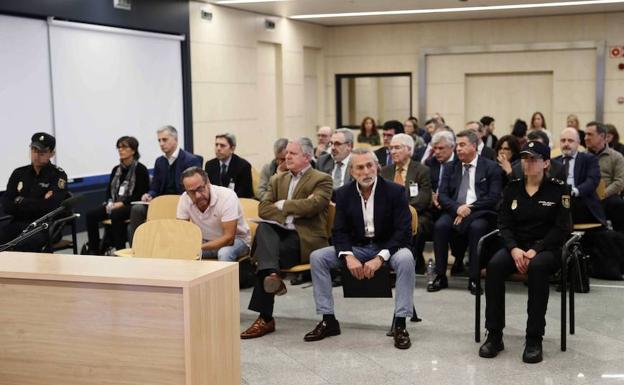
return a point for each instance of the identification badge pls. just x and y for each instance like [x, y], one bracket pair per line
[565, 201]
[122, 190]
[231, 185]
[514, 204]
[413, 189]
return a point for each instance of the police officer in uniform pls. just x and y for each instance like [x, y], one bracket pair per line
[534, 223]
[32, 192]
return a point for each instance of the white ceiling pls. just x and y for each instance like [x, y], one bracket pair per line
[287, 8]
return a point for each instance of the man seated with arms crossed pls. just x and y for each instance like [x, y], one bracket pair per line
[416, 180]
[611, 165]
[297, 201]
[372, 226]
[468, 195]
[218, 213]
[32, 192]
[167, 171]
[229, 170]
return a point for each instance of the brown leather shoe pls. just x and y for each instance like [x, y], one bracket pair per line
[401, 338]
[273, 284]
[323, 329]
[259, 328]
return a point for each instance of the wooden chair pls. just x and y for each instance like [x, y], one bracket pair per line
[255, 181]
[570, 253]
[167, 238]
[161, 207]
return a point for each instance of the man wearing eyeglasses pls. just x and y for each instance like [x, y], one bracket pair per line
[324, 136]
[32, 192]
[336, 163]
[390, 128]
[217, 212]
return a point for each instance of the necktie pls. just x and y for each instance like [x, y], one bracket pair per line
[224, 182]
[388, 158]
[464, 184]
[429, 156]
[337, 175]
[398, 176]
[566, 166]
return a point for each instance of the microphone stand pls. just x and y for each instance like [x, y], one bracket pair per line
[25, 235]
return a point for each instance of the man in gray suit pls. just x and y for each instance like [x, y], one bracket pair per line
[415, 177]
[336, 163]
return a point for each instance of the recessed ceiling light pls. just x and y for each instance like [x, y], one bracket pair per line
[462, 9]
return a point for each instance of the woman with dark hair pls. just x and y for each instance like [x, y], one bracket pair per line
[368, 132]
[128, 181]
[507, 152]
[613, 139]
[519, 130]
[411, 128]
[538, 123]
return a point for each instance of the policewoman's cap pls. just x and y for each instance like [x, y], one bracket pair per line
[42, 141]
[536, 149]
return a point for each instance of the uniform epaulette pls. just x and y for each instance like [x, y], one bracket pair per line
[557, 181]
[59, 169]
[516, 180]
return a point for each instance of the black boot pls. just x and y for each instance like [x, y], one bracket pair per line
[492, 345]
[532, 350]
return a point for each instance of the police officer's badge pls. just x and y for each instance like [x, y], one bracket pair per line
[565, 201]
[514, 204]
[41, 138]
[531, 144]
[61, 183]
[20, 186]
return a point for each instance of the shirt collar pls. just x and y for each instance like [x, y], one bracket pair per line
[226, 162]
[473, 163]
[404, 167]
[346, 160]
[357, 186]
[175, 154]
[300, 174]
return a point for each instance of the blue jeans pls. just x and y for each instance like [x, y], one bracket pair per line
[228, 253]
[325, 259]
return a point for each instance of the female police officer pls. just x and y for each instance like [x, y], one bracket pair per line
[534, 222]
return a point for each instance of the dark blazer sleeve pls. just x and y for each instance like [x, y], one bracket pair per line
[493, 180]
[243, 185]
[159, 173]
[591, 178]
[401, 219]
[423, 178]
[445, 190]
[342, 228]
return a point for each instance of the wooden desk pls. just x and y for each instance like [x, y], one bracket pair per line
[77, 319]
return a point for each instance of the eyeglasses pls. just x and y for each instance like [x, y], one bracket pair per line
[322, 135]
[397, 147]
[337, 144]
[200, 189]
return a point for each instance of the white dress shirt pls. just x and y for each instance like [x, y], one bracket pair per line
[570, 179]
[471, 196]
[173, 156]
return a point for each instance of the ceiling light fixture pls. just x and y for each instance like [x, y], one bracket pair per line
[461, 9]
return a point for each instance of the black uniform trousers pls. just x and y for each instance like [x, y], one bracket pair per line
[543, 265]
[614, 208]
[469, 231]
[13, 229]
[273, 248]
[118, 226]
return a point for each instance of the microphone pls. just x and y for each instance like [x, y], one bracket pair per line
[67, 204]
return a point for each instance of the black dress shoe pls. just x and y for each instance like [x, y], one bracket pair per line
[532, 351]
[401, 338]
[472, 286]
[440, 282]
[323, 329]
[493, 344]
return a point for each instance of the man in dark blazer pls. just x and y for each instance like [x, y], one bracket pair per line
[482, 150]
[582, 173]
[336, 163]
[168, 169]
[417, 182]
[295, 206]
[468, 196]
[228, 169]
[372, 226]
[390, 128]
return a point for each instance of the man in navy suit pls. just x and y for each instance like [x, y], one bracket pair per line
[372, 226]
[582, 173]
[229, 170]
[468, 196]
[167, 172]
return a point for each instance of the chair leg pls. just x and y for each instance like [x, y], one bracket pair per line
[74, 237]
[564, 298]
[572, 300]
[390, 332]
[415, 315]
[477, 335]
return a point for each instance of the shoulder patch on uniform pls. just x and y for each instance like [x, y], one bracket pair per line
[61, 183]
[58, 168]
[565, 201]
[557, 181]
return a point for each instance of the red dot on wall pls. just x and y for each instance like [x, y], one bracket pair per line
[621, 66]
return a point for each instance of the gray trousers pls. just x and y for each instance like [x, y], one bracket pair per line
[402, 262]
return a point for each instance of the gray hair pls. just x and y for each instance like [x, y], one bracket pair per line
[192, 171]
[280, 145]
[471, 135]
[170, 130]
[405, 140]
[480, 126]
[348, 134]
[447, 136]
[364, 151]
[231, 138]
[306, 145]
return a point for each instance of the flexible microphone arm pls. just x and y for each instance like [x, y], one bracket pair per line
[68, 203]
[25, 235]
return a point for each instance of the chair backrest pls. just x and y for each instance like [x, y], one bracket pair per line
[255, 181]
[601, 189]
[163, 207]
[167, 238]
[250, 210]
[414, 220]
[362, 145]
[331, 214]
